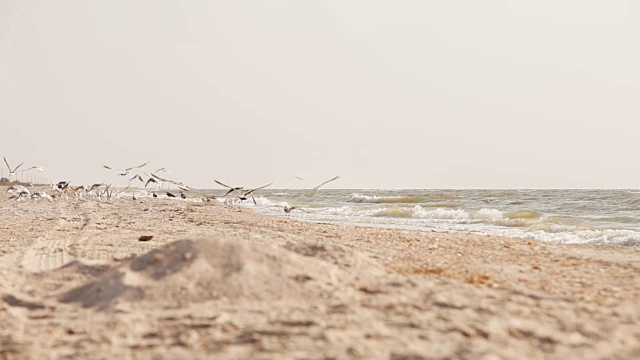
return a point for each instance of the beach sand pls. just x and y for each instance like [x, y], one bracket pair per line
[226, 282]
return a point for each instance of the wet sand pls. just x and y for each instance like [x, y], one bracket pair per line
[226, 282]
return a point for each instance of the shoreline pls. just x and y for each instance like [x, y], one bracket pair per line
[377, 292]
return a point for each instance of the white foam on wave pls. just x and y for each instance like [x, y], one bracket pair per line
[490, 214]
[265, 202]
[605, 236]
[359, 198]
[349, 211]
[365, 198]
[415, 212]
[486, 221]
[459, 215]
[440, 214]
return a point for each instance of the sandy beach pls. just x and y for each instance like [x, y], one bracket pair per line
[225, 282]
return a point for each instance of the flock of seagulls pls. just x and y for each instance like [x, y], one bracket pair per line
[62, 189]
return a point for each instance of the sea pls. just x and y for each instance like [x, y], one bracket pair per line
[567, 216]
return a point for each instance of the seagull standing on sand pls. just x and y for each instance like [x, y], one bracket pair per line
[12, 173]
[315, 188]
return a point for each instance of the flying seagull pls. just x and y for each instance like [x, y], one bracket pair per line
[12, 173]
[241, 190]
[163, 169]
[244, 193]
[152, 179]
[136, 176]
[62, 185]
[41, 195]
[158, 180]
[40, 169]
[317, 187]
[17, 189]
[95, 186]
[125, 172]
[288, 209]
[231, 189]
[183, 187]
[21, 195]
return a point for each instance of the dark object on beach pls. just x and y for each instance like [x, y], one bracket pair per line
[182, 195]
[155, 195]
[145, 238]
[170, 194]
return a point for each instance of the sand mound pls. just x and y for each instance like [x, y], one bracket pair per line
[191, 271]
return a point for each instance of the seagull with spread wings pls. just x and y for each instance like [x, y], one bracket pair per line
[288, 209]
[317, 187]
[242, 192]
[125, 172]
[39, 168]
[12, 173]
[158, 180]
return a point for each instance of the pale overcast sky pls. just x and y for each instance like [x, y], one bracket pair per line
[387, 94]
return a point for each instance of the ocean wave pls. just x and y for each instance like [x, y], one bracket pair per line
[440, 205]
[489, 214]
[440, 214]
[265, 202]
[464, 216]
[575, 218]
[523, 214]
[262, 204]
[417, 212]
[374, 199]
[603, 236]
[394, 212]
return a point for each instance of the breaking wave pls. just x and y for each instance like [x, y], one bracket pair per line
[374, 199]
[572, 216]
